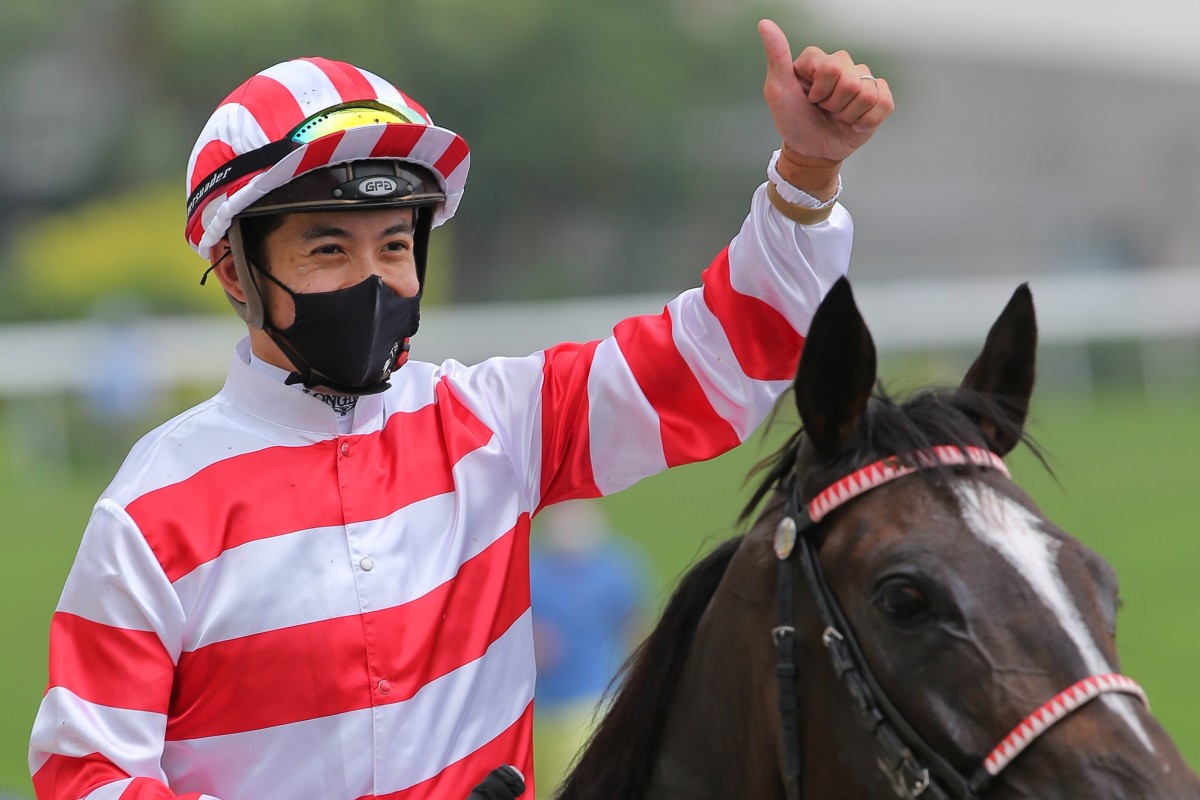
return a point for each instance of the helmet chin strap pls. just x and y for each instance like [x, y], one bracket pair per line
[309, 378]
[302, 372]
[251, 310]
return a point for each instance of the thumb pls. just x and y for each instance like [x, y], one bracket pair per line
[777, 50]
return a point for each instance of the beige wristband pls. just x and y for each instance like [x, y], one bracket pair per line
[797, 213]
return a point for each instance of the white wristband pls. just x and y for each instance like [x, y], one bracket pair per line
[797, 197]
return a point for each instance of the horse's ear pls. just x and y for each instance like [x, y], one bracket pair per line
[1004, 372]
[836, 373]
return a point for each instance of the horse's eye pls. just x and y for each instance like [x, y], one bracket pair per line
[901, 599]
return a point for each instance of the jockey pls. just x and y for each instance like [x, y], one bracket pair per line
[316, 583]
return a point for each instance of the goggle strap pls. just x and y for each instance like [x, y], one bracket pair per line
[239, 167]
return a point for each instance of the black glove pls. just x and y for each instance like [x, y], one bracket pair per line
[503, 783]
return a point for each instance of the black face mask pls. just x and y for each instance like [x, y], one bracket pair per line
[350, 340]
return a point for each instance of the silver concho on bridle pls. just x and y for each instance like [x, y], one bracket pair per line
[785, 537]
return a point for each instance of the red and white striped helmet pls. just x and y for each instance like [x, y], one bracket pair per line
[247, 148]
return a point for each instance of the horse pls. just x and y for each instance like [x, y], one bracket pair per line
[939, 638]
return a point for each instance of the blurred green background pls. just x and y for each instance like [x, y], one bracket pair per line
[614, 147]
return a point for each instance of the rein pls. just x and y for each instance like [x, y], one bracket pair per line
[914, 767]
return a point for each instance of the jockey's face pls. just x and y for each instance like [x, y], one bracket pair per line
[321, 251]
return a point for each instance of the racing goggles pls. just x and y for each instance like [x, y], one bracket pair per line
[325, 122]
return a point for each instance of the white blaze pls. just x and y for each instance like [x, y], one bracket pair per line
[1011, 530]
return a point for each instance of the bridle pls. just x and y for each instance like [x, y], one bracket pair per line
[914, 767]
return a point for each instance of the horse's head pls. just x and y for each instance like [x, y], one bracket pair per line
[948, 605]
[970, 607]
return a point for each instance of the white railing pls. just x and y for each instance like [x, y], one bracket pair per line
[914, 314]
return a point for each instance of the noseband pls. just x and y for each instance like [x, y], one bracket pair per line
[914, 767]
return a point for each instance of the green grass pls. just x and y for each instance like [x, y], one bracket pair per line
[43, 521]
[1126, 487]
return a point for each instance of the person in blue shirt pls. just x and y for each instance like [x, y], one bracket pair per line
[589, 590]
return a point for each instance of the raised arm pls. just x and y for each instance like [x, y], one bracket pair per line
[696, 380]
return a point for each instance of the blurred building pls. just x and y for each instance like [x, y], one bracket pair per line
[1029, 137]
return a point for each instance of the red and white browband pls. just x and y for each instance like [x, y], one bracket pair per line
[888, 469]
[1053, 710]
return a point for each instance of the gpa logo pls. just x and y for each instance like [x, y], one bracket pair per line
[380, 186]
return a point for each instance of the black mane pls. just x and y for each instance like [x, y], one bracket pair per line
[619, 760]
